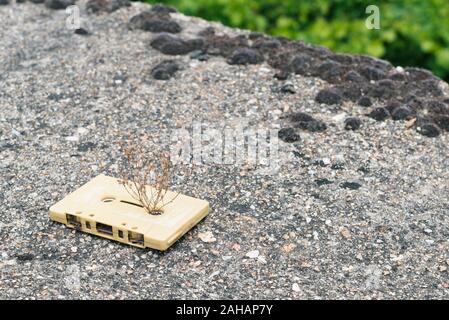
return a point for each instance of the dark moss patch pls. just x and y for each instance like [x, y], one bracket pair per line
[437, 107]
[353, 76]
[200, 55]
[58, 4]
[392, 105]
[379, 114]
[244, 56]
[172, 45]
[165, 70]
[81, 32]
[350, 185]
[154, 22]
[402, 113]
[323, 182]
[225, 45]
[384, 89]
[307, 122]
[312, 126]
[351, 92]
[162, 8]
[430, 130]
[386, 83]
[301, 64]
[331, 71]
[265, 44]
[418, 74]
[301, 117]
[97, 6]
[371, 73]
[352, 123]
[412, 101]
[23, 257]
[365, 101]
[288, 135]
[429, 88]
[343, 58]
[329, 97]
[442, 121]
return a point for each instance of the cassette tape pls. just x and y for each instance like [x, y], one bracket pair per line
[104, 208]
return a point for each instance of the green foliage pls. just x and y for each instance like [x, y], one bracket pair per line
[412, 32]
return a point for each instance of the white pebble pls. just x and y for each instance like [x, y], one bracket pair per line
[253, 254]
[295, 287]
[72, 138]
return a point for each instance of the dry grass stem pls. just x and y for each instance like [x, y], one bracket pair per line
[146, 177]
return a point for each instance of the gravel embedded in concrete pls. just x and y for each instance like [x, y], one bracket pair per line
[349, 214]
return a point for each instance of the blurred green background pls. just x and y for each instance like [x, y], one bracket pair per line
[412, 32]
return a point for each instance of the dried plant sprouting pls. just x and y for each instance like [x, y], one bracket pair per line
[146, 177]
